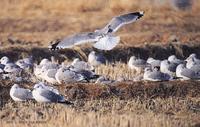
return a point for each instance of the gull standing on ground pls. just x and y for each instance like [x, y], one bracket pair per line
[96, 59]
[185, 73]
[46, 87]
[20, 94]
[104, 39]
[194, 57]
[137, 64]
[21, 63]
[175, 60]
[81, 65]
[43, 94]
[44, 61]
[191, 62]
[65, 75]
[12, 68]
[155, 75]
[168, 67]
[104, 80]
[195, 68]
[5, 60]
[49, 75]
[25, 63]
[153, 62]
[46, 69]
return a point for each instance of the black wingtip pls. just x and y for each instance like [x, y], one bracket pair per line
[67, 102]
[140, 14]
[54, 44]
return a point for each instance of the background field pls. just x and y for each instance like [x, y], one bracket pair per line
[27, 27]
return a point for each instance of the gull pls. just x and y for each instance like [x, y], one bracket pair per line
[38, 71]
[103, 39]
[28, 60]
[46, 87]
[194, 57]
[153, 62]
[191, 62]
[49, 75]
[175, 60]
[195, 68]
[25, 63]
[137, 64]
[2, 68]
[44, 61]
[104, 80]
[185, 73]
[168, 67]
[182, 4]
[12, 68]
[81, 65]
[96, 59]
[46, 67]
[20, 94]
[5, 60]
[155, 75]
[45, 95]
[13, 72]
[21, 63]
[87, 74]
[65, 75]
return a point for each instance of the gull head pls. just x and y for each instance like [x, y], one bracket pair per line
[147, 69]
[75, 61]
[15, 86]
[172, 58]
[150, 59]
[4, 60]
[39, 85]
[44, 61]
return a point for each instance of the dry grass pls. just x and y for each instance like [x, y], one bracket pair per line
[27, 27]
[46, 20]
[114, 112]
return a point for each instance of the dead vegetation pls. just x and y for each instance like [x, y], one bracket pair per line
[27, 27]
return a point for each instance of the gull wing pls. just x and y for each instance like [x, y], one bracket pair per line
[189, 73]
[51, 96]
[23, 94]
[120, 21]
[76, 39]
[107, 42]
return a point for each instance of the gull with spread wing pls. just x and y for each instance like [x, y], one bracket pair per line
[103, 39]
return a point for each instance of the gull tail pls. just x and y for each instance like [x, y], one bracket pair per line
[107, 42]
[66, 102]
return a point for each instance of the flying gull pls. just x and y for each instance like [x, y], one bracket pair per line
[104, 38]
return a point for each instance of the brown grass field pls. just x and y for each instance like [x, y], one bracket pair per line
[27, 27]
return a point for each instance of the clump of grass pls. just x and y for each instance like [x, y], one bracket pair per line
[113, 112]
